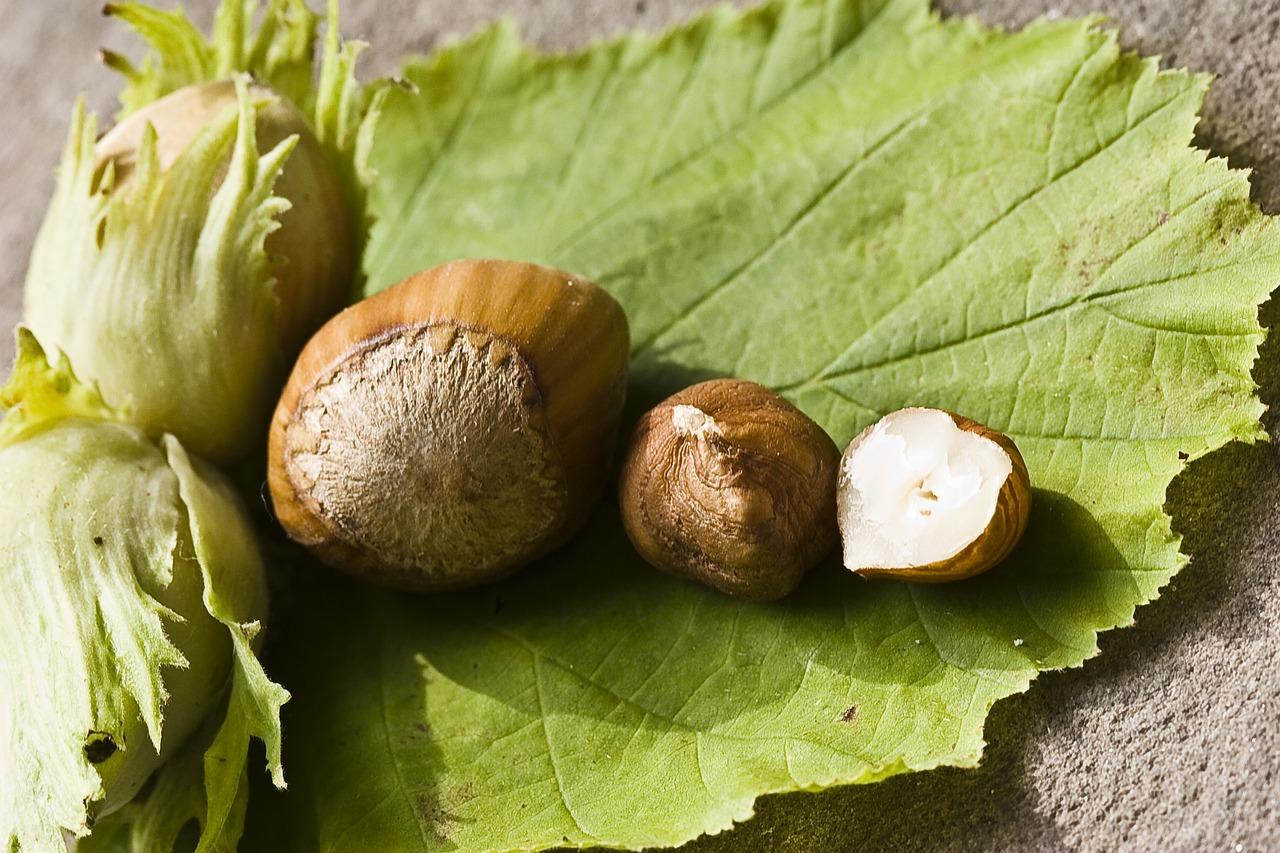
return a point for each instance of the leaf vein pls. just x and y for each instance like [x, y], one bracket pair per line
[781, 238]
[670, 721]
[396, 769]
[799, 84]
[551, 749]
[973, 241]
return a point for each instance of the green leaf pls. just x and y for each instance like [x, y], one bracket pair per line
[865, 207]
[123, 620]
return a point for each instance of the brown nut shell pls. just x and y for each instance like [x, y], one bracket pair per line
[453, 427]
[1002, 533]
[315, 240]
[728, 484]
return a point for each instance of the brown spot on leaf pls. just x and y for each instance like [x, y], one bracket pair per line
[850, 714]
[436, 810]
[98, 747]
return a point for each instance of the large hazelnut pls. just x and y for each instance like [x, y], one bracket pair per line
[453, 427]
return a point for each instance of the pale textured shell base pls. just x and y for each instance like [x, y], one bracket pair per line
[425, 449]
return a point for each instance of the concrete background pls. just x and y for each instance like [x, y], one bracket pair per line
[1170, 740]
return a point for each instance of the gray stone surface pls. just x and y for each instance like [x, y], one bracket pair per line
[1169, 740]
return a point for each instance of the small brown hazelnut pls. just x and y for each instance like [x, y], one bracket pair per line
[729, 484]
[453, 427]
[928, 495]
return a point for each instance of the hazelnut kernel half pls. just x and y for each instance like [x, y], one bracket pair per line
[928, 495]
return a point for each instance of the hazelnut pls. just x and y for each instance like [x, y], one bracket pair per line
[315, 238]
[453, 427]
[728, 484]
[927, 495]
